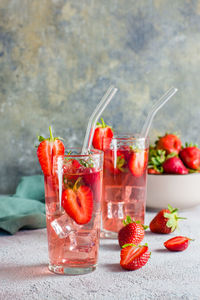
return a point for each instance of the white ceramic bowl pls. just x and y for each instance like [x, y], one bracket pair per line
[180, 191]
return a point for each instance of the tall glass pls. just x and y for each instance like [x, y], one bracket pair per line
[73, 208]
[124, 182]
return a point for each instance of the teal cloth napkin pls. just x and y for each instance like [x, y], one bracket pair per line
[26, 208]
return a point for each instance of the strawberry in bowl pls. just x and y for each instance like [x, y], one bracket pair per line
[173, 173]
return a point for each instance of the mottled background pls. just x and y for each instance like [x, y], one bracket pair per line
[58, 57]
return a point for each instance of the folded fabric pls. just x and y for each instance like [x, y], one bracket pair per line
[25, 209]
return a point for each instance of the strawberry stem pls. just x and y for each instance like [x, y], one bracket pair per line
[103, 123]
[77, 184]
[51, 134]
[128, 245]
[127, 221]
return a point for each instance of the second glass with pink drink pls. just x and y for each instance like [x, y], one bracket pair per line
[124, 181]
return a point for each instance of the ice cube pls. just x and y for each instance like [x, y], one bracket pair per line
[134, 193]
[114, 193]
[135, 210]
[85, 240]
[53, 208]
[115, 210]
[62, 226]
[73, 241]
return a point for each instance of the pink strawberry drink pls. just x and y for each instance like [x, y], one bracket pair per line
[73, 207]
[124, 182]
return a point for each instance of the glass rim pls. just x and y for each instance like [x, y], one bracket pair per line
[92, 152]
[128, 137]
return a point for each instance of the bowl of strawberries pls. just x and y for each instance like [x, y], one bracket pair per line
[168, 160]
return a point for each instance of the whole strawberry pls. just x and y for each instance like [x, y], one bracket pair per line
[191, 157]
[134, 257]
[166, 221]
[174, 165]
[131, 233]
[170, 143]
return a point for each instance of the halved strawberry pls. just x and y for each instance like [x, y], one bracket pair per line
[78, 202]
[47, 149]
[134, 257]
[102, 136]
[114, 163]
[138, 162]
[177, 243]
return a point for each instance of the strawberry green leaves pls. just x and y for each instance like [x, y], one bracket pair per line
[156, 159]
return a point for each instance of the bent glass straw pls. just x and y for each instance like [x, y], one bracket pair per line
[168, 95]
[95, 116]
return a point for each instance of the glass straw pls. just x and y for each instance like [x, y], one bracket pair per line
[95, 116]
[145, 130]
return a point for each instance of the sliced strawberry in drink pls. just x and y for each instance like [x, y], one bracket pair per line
[47, 149]
[78, 203]
[93, 180]
[115, 163]
[102, 136]
[138, 162]
[71, 166]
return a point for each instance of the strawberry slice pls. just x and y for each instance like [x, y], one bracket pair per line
[47, 150]
[78, 202]
[115, 164]
[138, 162]
[134, 257]
[102, 136]
[177, 243]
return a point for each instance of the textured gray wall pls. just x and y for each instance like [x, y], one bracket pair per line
[57, 58]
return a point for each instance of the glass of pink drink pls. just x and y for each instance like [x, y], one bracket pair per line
[124, 182]
[73, 208]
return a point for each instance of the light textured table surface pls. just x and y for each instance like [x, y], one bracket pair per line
[167, 275]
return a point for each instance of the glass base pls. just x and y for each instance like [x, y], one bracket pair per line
[64, 270]
[106, 234]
